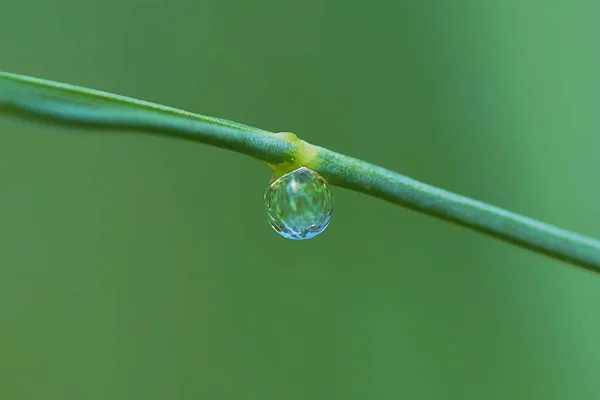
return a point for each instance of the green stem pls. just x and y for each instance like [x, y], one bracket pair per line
[54, 102]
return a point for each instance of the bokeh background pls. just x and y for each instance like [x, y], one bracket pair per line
[141, 267]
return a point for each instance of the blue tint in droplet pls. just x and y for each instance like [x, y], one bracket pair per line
[299, 204]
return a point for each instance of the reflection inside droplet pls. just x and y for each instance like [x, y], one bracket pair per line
[299, 204]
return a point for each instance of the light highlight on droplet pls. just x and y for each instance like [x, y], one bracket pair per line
[299, 204]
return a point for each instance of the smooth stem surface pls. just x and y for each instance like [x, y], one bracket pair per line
[524, 231]
[54, 102]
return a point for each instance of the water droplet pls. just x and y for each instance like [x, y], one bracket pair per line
[299, 204]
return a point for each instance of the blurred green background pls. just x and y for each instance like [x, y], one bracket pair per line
[138, 267]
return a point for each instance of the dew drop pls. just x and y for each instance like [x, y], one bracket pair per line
[299, 204]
